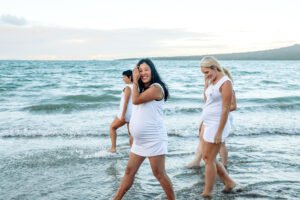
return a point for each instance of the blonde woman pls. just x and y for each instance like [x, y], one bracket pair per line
[216, 126]
[195, 163]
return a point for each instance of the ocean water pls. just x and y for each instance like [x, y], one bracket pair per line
[55, 118]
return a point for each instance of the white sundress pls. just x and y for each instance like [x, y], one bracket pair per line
[147, 128]
[129, 105]
[212, 110]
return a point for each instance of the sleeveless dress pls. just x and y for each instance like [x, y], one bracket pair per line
[147, 128]
[129, 105]
[212, 110]
[231, 117]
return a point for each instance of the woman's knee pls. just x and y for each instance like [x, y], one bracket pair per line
[158, 173]
[113, 127]
[130, 171]
[208, 159]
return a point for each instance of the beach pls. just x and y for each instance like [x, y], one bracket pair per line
[55, 118]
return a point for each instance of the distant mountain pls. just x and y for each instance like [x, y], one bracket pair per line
[284, 53]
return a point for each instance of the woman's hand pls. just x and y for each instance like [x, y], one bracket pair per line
[136, 75]
[123, 118]
[218, 138]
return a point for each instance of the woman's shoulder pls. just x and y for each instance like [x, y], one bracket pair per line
[158, 85]
[223, 80]
[127, 87]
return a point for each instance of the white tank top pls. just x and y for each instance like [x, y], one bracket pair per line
[129, 105]
[212, 109]
[146, 124]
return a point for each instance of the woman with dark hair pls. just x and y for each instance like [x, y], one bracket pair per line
[124, 114]
[146, 126]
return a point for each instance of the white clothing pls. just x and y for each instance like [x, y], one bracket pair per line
[212, 111]
[147, 128]
[129, 105]
[231, 119]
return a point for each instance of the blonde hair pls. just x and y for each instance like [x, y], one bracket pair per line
[227, 73]
[211, 62]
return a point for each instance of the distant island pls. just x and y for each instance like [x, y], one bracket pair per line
[284, 53]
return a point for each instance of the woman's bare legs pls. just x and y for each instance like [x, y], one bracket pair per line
[133, 165]
[224, 154]
[210, 152]
[158, 168]
[212, 167]
[198, 154]
[130, 137]
[117, 123]
[223, 174]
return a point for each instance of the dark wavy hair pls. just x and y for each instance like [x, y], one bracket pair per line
[155, 78]
[128, 73]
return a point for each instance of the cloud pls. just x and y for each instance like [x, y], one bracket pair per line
[69, 43]
[13, 20]
[40, 42]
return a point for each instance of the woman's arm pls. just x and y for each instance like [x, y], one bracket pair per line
[233, 102]
[127, 92]
[153, 93]
[226, 92]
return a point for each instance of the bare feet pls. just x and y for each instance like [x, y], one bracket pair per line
[206, 195]
[193, 165]
[229, 188]
[112, 150]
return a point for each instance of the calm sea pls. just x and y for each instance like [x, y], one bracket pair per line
[55, 117]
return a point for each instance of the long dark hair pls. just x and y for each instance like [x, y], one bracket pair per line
[155, 78]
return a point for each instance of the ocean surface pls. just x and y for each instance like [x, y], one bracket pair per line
[55, 118]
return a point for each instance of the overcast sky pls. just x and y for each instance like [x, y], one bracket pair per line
[111, 29]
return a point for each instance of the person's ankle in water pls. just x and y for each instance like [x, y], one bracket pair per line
[206, 195]
[229, 188]
[112, 150]
[193, 165]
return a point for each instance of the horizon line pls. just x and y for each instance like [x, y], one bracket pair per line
[160, 57]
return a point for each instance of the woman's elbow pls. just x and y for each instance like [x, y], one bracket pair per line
[232, 108]
[136, 102]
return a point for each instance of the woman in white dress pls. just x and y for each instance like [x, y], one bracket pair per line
[147, 128]
[216, 125]
[124, 114]
[223, 150]
[195, 163]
